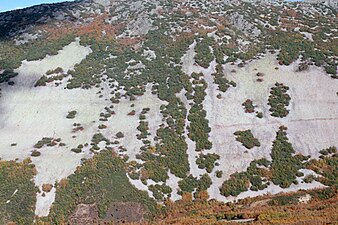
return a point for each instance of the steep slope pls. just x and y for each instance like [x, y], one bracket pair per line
[225, 99]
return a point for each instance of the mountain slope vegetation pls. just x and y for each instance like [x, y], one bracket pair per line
[180, 112]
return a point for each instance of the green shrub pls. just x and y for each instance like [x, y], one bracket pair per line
[259, 115]
[47, 141]
[17, 192]
[101, 180]
[7, 75]
[279, 100]
[207, 161]
[221, 81]
[285, 200]
[76, 150]
[119, 135]
[248, 106]
[71, 114]
[191, 184]
[247, 139]
[308, 178]
[237, 184]
[57, 70]
[159, 191]
[35, 153]
[203, 55]
[156, 172]
[219, 173]
[284, 166]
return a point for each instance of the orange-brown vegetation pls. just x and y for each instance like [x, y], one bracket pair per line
[95, 29]
[47, 187]
[264, 210]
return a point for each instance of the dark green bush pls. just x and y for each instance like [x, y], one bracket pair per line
[279, 100]
[247, 139]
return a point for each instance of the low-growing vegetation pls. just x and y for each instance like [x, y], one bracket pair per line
[279, 209]
[6, 75]
[44, 80]
[247, 139]
[47, 141]
[194, 185]
[101, 180]
[326, 166]
[55, 71]
[17, 192]
[282, 170]
[203, 55]
[35, 153]
[207, 161]
[284, 165]
[71, 114]
[279, 100]
[248, 106]
[199, 128]
[219, 78]
[159, 191]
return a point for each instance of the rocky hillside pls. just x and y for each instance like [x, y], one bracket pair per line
[168, 109]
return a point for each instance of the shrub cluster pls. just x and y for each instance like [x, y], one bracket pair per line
[247, 139]
[192, 184]
[222, 82]
[7, 75]
[279, 100]
[71, 114]
[17, 192]
[101, 180]
[282, 170]
[199, 126]
[203, 55]
[207, 161]
[48, 141]
[248, 106]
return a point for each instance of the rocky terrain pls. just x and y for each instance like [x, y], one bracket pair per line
[143, 106]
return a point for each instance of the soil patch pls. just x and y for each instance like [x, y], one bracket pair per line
[125, 212]
[85, 215]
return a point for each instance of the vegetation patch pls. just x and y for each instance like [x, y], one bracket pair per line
[44, 80]
[96, 139]
[199, 126]
[47, 187]
[12, 55]
[207, 161]
[222, 82]
[279, 100]
[101, 180]
[282, 170]
[160, 191]
[248, 106]
[87, 73]
[237, 184]
[7, 75]
[143, 128]
[284, 165]
[35, 153]
[219, 173]
[55, 71]
[326, 166]
[247, 139]
[203, 55]
[71, 114]
[17, 192]
[192, 184]
[119, 135]
[78, 149]
[47, 141]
